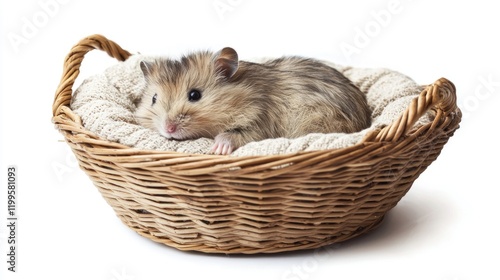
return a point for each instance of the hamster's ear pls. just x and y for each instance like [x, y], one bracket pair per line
[226, 61]
[146, 68]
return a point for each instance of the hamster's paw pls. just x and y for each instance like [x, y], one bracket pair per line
[223, 145]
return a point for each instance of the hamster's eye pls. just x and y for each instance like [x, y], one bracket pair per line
[194, 95]
[153, 101]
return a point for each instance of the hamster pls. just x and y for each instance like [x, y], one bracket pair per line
[215, 95]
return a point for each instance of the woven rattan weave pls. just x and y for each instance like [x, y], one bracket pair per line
[264, 204]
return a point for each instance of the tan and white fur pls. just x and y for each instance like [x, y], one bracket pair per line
[235, 102]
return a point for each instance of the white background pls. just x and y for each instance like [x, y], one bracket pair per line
[446, 227]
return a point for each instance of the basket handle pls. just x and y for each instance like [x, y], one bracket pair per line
[73, 61]
[441, 95]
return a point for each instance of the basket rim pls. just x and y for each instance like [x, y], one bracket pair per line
[440, 97]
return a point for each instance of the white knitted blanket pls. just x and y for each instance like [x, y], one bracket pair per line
[105, 103]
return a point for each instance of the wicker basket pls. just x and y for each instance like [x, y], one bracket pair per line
[261, 204]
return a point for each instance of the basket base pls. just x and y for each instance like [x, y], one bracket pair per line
[275, 248]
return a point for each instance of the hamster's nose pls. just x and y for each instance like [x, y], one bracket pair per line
[171, 128]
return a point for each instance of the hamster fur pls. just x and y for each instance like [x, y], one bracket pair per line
[215, 95]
